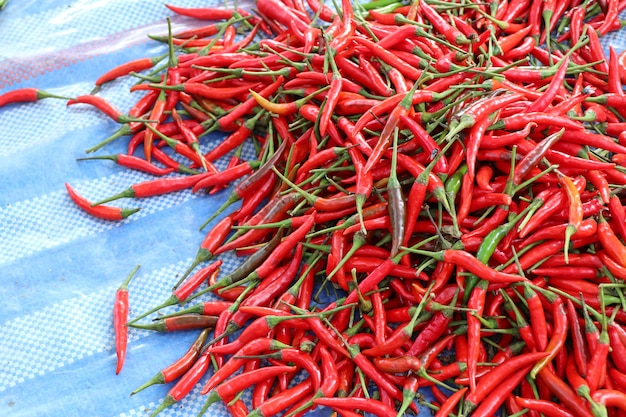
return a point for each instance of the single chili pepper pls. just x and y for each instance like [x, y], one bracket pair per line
[448, 406]
[120, 316]
[177, 323]
[537, 318]
[471, 264]
[138, 110]
[547, 408]
[396, 205]
[25, 95]
[101, 212]
[497, 396]
[227, 122]
[519, 121]
[154, 187]
[597, 366]
[435, 328]
[178, 367]
[531, 159]
[618, 377]
[619, 214]
[182, 292]
[379, 316]
[397, 364]
[450, 32]
[593, 140]
[132, 162]
[166, 160]
[225, 177]
[564, 393]
[610, 398]
[207, 308]
[580, 353]
[202, 13]
[283, 400]
[104, 106]
[618, 348]
[559, 332]
[227, 391]
[480, 110]
[368, 405]
[156, 113]
[611, 243]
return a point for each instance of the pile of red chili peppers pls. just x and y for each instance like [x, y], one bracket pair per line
[452, 172]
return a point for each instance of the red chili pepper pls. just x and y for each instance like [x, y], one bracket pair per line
[178, 323]
[156, 114]
[228, 390]
[202, 13]
[26, 95]
[182, 292]
[559, 334]
[254, 347]
[133, 162]
[547, 408]
[101, 212]
[451, 33]
[120, 316]
[178, 367]
[227, 122]
[104, 106]
[154, 187]
[368, 405]
[136, 65]
[497, 396]
[185, 384]
[610, 398]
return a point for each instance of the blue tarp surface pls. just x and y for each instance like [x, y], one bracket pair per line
[59, 268]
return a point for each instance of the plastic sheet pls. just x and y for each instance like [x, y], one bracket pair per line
[60, 267]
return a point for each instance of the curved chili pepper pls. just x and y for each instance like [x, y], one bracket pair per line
[229, 389]
[104, 106]
[101, 212]
[547, 408]
[610, 242]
